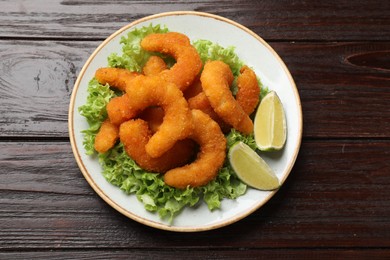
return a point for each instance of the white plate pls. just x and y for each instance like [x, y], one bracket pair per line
[256, 53]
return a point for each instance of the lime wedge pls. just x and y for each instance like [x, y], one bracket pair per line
[270, 123]
[251, 168]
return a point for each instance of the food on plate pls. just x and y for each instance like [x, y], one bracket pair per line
[251, 168]
[164, 40]
[154, 65]
[201, 102]
[188, 63]
[119, 111]
[135, 134]
[143, 92]
[216, 79]
[106, 137]
[167, 122]
[248, 94]
[177, 124]
[115, 77]
[211, 156]
[154, 116]
[270, 123]
[194, 89]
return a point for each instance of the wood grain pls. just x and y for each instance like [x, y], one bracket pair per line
[337, 82]
[344, 87]
[47, 204]
[273, 20]
[241, 253]
[334, 204]
[36, 81]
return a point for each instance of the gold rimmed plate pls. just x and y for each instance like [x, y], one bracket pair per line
[254, 52]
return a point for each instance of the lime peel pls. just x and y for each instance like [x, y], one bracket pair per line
[251, 169]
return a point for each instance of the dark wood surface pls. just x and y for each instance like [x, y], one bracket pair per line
[335, 203]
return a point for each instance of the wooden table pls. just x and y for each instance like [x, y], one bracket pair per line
[335, 203]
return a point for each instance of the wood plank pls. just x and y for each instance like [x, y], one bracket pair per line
[343, 86]
[36, 81]
[336, 196]
[241, 253]
[273, 20]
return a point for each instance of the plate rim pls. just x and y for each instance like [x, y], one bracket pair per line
[138, 218]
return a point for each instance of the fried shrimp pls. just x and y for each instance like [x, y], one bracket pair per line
[115, 77]
[188, 63]
[154, 116]
[210, 157]
[135, 134]
[106, 137]
[201, 102]
[248, 94]
[149, 91]
[154, 65]
[168, 39]
[216, 79]
[119, 110]
[194, 89]
[177, 124]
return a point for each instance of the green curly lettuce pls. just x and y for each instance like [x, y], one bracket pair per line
[133, 56]
[94, 111]
[213, 51]
[122, 171]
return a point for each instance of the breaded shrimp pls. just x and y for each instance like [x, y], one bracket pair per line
[154, 65]
[135, 134]
[201, 102]
[188, 63]
[210, 158]
[154, 116]
[106, 137]
[248, 94]
[177, 124]
[119, 110]
[216, 79]
[115, 77]
[168, 39]
[194, 89]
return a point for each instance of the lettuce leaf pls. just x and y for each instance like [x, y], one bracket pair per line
[213, 51]
[94, 110]
[122, 171]
[234, 136]
[134, 57]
